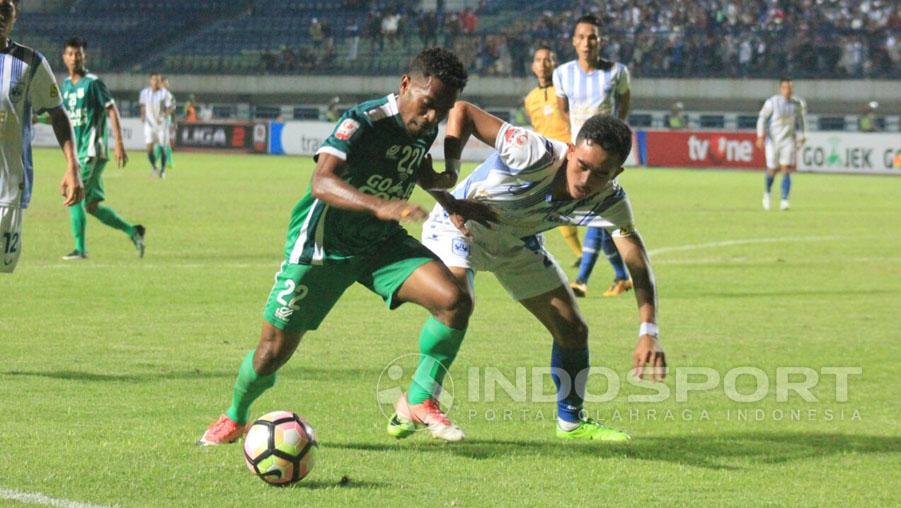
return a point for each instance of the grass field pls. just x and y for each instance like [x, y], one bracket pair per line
[111, 368]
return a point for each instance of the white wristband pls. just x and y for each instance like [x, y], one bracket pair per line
[648, 329]
[452, 165]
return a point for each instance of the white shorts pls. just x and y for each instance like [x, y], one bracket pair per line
[522, 266]
[780, 153]
[10, 238]
[156, 134]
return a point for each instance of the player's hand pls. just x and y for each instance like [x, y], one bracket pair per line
[401, 211]
[759, 143]
[430, 179]
[649, 360]
[462, 210]
[801, 142]
[121, 156]
[71, 188]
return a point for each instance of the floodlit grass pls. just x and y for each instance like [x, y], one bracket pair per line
[110, 369]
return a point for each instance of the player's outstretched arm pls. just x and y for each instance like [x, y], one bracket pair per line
[328, 186]
[563, 107]
[466, 119]
[648, 359]
[460, 210]
[116, 126]
[623, 105]
[71, 187]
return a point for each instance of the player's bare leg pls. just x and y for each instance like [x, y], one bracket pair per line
[786, 170]
[559, 313]
[256, 375]
[770, 177]
[151, 156]
[434, 287]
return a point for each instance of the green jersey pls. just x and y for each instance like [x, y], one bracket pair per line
[86, 103]
[382, 160]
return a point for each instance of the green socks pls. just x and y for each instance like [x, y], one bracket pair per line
[159, 154]
[78, 217]
[248, 388]
[107, 216]
[438, 346]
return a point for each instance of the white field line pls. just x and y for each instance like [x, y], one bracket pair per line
[726, 243]
[275, 265]
[41, 499]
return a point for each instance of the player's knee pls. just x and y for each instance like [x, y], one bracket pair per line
[456, 308]
[572, 335]
[275, 348]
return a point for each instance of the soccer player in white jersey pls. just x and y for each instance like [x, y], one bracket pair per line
[156, 107]
[777, 124]
[586, 87]
[27, 87]
[535, 184]
[170, 121]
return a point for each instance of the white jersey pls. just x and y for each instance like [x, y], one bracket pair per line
[780, 117]
[27, 87]
[156, 103]
[589, 93]
[517, 182]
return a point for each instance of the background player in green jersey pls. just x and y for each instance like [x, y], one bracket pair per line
[346, 230]
[89, 104]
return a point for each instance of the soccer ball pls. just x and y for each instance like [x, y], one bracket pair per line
[280, 448]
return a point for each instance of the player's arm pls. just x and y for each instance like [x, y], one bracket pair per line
[328, 186]
[762, 118]
[116, 126]
[45, 97]
[459, 210]
[623, 96]
[562, 99]
[71, 187]
[103, 97]
[802, 121]
[648, 352]
[464, 120]
[143, 113]
[623, 105]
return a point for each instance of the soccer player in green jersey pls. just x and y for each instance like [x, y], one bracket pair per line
[89, 104]
[345, 230]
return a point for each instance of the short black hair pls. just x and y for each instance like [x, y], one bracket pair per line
[76, 42]
[442, 64]
[590, 19]
[611, 133]
[783, 79]
[542, 47]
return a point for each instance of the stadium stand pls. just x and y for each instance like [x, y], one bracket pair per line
[807, 38]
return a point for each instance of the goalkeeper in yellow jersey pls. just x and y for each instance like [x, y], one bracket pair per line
[541, 106]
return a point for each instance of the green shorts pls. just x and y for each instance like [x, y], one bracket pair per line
[304, 294]
[92, 176]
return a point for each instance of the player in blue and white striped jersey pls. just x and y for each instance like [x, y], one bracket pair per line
[586, 87]
[534, 184]
[779, 119]
[27, 87]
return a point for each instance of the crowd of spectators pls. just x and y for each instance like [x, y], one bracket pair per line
[655, 38]
[767, 38]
